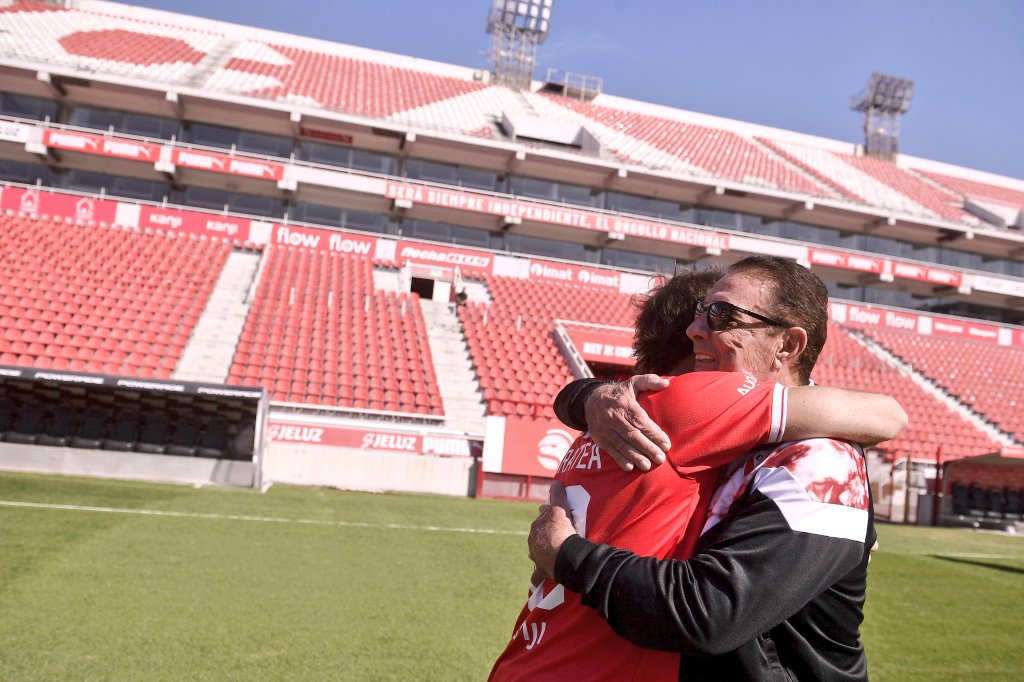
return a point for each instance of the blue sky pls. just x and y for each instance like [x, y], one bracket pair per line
[792, 64]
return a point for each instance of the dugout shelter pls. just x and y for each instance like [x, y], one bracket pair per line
[127, 427]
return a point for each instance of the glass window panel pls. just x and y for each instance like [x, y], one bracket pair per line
[26, 173]
[518, 243]
[373, 162]
[23, 106]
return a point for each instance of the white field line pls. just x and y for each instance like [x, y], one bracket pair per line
[259, 519]
[964, 555]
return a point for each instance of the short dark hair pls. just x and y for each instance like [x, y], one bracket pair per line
[797, 297]
[664, 313]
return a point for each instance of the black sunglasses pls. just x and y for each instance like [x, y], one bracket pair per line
[720, 313]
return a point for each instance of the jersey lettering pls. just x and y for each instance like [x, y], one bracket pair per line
[586, 455]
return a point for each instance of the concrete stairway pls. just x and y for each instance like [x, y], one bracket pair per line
[207, 356]
[464, 407]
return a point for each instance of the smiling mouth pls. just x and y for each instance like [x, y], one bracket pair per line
[700, 357]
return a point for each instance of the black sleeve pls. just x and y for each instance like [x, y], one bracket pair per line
[571, 400]
[751, 572]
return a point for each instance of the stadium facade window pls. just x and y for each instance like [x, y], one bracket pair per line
[202, 197]
[346, 157]
[221, 200]
[250, 204]
[554, 191]
[23, 106]
[116, 185]
[373, 162]
[137, 188]
[446, 234]
[326, 154]
[124, 122]
[367, 221]
[89, 117]
[334, 216]
[450, 174]
[242, 140]
[27, 173]
[87, 181]
[750, 223]
[633, 260]
[551, 248]
[150, 126]
[318, 214]
[727, 220]
[647, 206]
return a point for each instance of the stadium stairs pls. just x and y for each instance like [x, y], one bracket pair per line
[456, 380]
[208, 353]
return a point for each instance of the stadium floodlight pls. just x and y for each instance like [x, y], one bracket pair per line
[517, 27]
[883, 101]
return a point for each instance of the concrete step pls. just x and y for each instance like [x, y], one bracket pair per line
[210, 349]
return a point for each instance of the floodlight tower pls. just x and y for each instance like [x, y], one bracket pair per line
[883, 101]
[517, 27]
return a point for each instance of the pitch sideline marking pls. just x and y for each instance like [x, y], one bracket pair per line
[346, 524]
[260, 519]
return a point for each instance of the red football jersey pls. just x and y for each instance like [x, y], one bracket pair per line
[711, 419]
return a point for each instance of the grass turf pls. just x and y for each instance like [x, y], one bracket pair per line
[320, 584]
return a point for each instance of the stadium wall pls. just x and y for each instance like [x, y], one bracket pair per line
[126, 465]
[370, 471]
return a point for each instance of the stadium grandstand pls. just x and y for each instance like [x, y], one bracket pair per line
[323, 264]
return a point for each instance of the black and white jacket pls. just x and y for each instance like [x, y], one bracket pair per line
[775, 589]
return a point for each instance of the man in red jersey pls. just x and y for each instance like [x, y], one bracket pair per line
[712, 417]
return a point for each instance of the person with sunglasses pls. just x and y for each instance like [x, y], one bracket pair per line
[776, 584]
[714, 417]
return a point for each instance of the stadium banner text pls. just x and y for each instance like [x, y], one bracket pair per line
[554, 215]
[190, 222]
[846, 261]
[922, 273]
[438, 445]
[925, 325]
[325, 240]
[443, 256]
[100, 145]
[604, 346]
[225, 163]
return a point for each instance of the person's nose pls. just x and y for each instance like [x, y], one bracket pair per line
[698, 329]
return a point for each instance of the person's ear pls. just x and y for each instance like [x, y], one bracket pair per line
[794, 342]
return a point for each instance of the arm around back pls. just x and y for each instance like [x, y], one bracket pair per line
[856, 416]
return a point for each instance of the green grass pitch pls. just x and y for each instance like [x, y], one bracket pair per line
[310, 584]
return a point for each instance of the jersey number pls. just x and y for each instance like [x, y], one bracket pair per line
[579, 501]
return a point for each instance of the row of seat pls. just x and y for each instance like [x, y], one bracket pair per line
[327, 337]
[53, 317]
[994, 502]
[90, 425]
[846, 363]
[511, 341]
[977, 189]
[984, 376]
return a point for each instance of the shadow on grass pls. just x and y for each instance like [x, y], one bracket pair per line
[983, 564]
